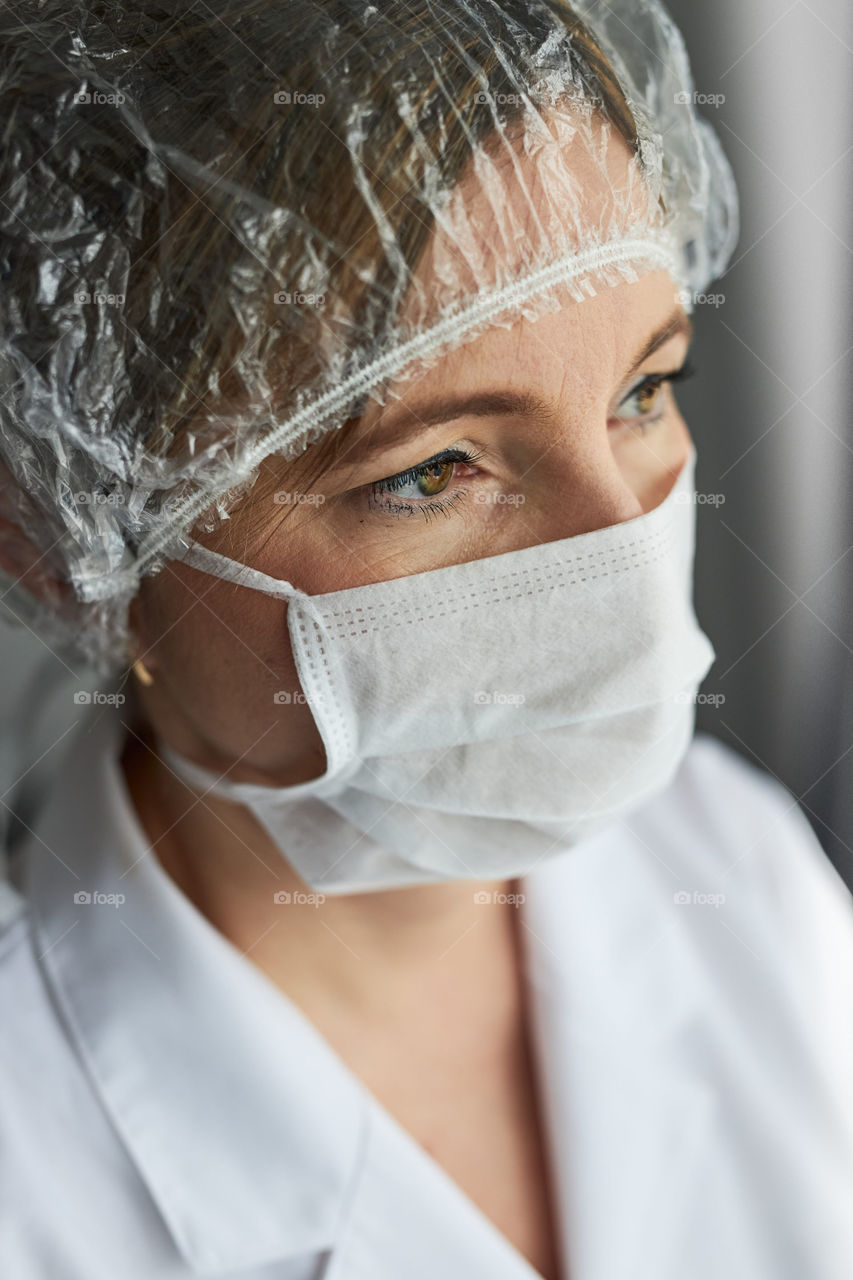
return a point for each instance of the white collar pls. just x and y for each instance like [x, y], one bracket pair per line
[261, 1159]
[250, 1161]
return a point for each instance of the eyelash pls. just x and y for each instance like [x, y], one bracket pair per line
[654, 381]
[402, 478]
[467, 458]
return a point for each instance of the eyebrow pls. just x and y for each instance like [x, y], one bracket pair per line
[418, 418]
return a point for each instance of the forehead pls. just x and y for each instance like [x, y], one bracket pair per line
[578, 351]
[523, 200]
[556, 185]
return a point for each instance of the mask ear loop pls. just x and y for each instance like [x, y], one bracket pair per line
[338, 744]
[199, 557]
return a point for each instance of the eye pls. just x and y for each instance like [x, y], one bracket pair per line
[425, 488]
[642, 402]
[646, 401]
[426, 480]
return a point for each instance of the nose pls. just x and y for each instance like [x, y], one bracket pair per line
[579, 497]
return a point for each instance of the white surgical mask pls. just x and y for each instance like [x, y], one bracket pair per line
[480, 717]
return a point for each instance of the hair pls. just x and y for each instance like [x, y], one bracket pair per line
[332, 200]
[196, 75]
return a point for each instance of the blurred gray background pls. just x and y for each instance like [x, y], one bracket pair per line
[769, 411]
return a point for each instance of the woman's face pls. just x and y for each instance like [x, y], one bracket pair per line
[525, 435]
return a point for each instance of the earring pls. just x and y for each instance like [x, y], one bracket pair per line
[141, 672]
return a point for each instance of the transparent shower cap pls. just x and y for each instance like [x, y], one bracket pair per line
[227, 227]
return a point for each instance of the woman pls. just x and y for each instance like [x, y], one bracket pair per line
[386, 920]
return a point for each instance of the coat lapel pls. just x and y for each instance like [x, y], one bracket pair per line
[408, 1218]
[631, 1124]
[611, 1003]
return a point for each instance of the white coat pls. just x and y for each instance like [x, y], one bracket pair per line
[166, 1112]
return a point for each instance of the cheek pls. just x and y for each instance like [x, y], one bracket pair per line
[224, 662]
[349, 545]
[649, 462]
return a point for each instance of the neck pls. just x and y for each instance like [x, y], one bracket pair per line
[360, 955]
